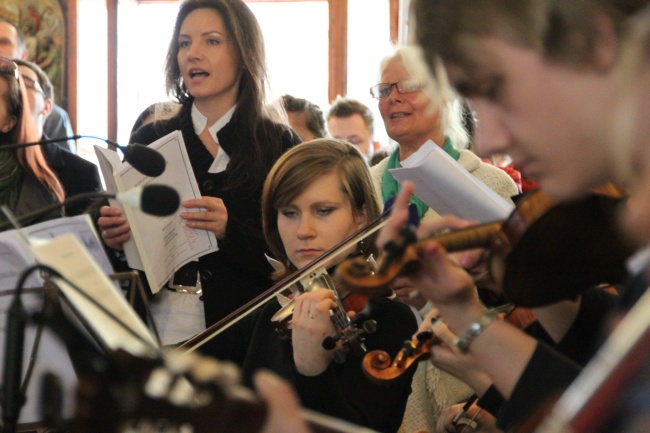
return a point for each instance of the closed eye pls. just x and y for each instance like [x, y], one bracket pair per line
[288, 213]
[324, 211]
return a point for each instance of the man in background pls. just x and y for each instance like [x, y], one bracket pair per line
[306, 118]
[350, 120]
[12, 46]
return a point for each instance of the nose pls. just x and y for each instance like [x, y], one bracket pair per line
[193, 51]
[306, 228]
[394, 95]
[492, 135]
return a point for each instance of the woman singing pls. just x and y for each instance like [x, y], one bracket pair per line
[216, 69]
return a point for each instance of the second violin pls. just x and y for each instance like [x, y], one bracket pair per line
[533, 254]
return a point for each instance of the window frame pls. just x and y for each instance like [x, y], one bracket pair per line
[338, 48]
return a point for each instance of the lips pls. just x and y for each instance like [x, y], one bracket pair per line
[195, 73]
[399, 115]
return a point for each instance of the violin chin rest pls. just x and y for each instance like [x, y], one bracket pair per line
[570, 248]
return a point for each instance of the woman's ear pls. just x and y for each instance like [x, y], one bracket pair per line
[363, 217]
[606, 46]
[9, 124]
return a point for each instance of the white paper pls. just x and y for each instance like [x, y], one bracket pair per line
[67, 255]
[15, 255]
[164, 244]
[448, 188]
[52, 356]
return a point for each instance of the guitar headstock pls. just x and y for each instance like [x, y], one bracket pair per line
[183, 393]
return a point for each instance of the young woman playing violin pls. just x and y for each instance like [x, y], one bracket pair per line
[316, 195]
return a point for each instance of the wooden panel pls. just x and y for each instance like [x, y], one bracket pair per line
[72, 62]
[111, 8]
[394, 21]
[338, 48]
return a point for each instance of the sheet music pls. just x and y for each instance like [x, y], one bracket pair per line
[68, 256]
[164, 244]
[15, 255]
[448, 188]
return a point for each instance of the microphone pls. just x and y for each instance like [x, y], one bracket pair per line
[159, 200]
[144, 159]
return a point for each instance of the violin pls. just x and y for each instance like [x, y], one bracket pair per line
[325, 261]
[379, 368]
[542, 253]
[350, 336]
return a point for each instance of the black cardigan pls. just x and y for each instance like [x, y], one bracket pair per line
[239, 271]
[342, 390]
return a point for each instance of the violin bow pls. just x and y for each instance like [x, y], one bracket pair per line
[609, 372]
[217, 328]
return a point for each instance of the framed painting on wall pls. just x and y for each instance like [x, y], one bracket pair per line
[45, 24]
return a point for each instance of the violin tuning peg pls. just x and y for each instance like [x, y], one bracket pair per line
[369, 326]
[408, 234]
[393, 248]
[424, 336]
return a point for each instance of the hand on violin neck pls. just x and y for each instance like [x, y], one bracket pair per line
[311, 323]
[407, 292]
[446, 356]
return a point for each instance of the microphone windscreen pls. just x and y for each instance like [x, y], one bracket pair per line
[144, 159]
[160, 200]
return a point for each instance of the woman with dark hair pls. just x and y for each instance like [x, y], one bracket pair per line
[318, 194]
[26, 181]
[216, 70]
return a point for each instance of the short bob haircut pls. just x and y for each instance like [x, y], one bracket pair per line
[302, 165]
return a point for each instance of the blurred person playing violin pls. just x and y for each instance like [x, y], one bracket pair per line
[542, 78]
[315, 196]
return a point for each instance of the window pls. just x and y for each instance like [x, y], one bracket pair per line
[297, 42]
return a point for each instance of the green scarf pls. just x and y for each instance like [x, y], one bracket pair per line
[390, 186]
[9, 181]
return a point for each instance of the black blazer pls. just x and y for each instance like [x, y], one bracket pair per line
[76, 174]
[238, 272]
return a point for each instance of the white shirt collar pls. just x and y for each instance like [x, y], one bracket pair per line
[199, 122]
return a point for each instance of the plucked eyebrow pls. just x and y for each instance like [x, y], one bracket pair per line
[208, 33]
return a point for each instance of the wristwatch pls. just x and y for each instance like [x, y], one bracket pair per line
[475, 329]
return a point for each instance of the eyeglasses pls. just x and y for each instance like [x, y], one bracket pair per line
[8, 66]
[32, 84]
[382, 90]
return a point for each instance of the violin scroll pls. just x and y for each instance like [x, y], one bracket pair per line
[377, 364]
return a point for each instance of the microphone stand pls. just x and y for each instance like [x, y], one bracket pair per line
[13, 398]
[143, 158]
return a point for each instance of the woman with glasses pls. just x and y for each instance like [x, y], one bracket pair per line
[26, 181]
[216, 70]
[412, 116]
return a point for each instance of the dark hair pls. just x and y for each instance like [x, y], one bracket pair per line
[43, 79]
[313, 114]
[253, 161]
[298, 168]
[346, 107]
